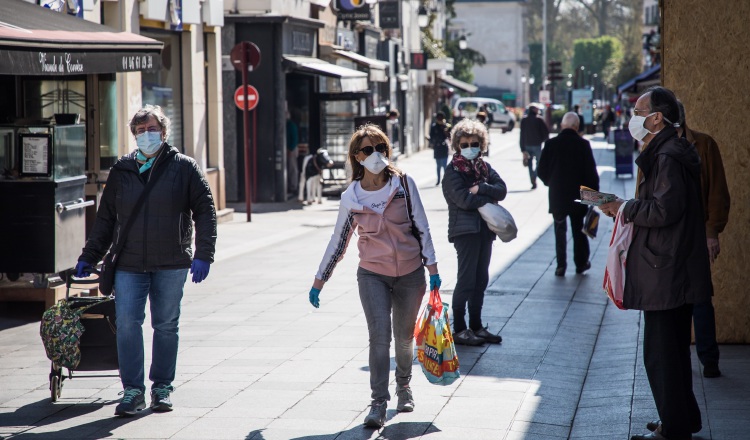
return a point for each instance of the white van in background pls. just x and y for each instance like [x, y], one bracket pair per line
[501, 117]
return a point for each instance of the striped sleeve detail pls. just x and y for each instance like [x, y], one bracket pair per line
[338, 253]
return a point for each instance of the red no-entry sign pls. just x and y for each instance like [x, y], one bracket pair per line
[252, 97]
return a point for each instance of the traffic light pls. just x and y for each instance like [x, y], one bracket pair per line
[554, 72]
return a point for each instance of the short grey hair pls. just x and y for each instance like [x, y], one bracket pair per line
[148, 110]
[570, 120]
[468, 128]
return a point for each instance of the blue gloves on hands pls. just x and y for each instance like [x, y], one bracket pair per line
[435, 281]
[314, 297]
[83, 269]
[199, 269]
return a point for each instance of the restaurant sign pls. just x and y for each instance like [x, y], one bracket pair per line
[76, 63]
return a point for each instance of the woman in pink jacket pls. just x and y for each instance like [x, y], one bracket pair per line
[394, 243]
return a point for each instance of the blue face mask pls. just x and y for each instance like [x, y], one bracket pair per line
[149, 142]
[470, 153]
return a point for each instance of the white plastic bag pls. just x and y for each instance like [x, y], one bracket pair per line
[614, 274]
[499, 220]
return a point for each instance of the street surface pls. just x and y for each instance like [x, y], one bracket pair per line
[258, 362]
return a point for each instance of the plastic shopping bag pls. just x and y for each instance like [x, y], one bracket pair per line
[499, 221]
[436, 350]
[614, 274]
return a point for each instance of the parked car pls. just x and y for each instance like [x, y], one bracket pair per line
[501, 116]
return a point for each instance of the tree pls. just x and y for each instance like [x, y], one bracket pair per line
[463, 59]
[602, 56]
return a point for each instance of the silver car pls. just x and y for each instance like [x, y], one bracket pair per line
[501, 116]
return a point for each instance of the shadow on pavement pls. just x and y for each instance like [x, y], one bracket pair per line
[16, 313]
[395, 431]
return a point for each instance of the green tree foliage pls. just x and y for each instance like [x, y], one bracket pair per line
[602, 56]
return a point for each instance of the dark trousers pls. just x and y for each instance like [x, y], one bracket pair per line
[704, 323]
[580, 241]
[666, 355]
[474, 252]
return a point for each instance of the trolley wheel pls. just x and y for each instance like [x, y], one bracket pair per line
[54, 387]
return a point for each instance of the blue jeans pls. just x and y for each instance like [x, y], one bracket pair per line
[441, 162]
[535, 151]
[379, 295]
[164, 290]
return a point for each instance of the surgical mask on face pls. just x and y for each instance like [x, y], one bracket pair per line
[637, 128]
[470, 153]
[375, 163]
[149, 142]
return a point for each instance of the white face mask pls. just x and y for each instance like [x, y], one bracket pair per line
[470, 153]
[637, 128]
[148, 142]
[375, 163]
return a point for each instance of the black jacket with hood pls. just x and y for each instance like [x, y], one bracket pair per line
[667, 262]
[161, 235]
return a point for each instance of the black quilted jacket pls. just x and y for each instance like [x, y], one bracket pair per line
[161, 236]
[463, 217]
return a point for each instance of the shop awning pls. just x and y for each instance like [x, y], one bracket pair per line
[636, 83]
[350, 80]
[458, 84]
[377, 67]
[37, 41]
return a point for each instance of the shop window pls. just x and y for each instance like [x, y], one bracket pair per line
[164, 87]
[45, 98]
[107, 122]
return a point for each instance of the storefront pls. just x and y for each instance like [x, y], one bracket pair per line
[321, 98]
[59, 129]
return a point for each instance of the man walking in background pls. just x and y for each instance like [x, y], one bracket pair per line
[439, 134]
[715, 194]
[567, 163]
[533, 133]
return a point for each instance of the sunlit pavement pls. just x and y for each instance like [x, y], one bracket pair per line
[258, 362]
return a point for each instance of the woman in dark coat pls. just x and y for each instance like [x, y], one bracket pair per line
[667, 267]
[469, 183]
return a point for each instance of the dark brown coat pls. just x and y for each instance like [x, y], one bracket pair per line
[667, 263]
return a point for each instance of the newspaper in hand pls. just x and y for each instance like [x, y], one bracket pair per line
[593, 197]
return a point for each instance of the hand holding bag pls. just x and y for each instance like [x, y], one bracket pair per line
[436, 350]
[499, 221]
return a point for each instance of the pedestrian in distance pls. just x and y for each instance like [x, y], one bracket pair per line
[469, 183]
[439, 134]
[607, 119]
[534, 132]
[292, 154]
[394, 130]
[490, 116]
[567, 163]
[668, 269]
[716, 203]
[581, 121]
[395, 246]
[156, 253]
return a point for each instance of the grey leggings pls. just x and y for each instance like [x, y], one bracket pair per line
[379, 295]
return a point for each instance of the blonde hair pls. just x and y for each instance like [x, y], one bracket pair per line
[376, 136]
[468, 128]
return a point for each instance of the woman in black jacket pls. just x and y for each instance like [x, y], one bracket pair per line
[469, 183]
[156, 253]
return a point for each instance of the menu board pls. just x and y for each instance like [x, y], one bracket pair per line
[35, 154]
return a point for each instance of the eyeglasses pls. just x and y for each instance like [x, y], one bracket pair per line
[467, 145]
[368, 150]
[636, 111]
[149, 129]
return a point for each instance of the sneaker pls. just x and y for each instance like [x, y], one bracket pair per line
[487, 336]
[711, 370]
[405, 400]
[376, 417]
[132, 401]
[160, 401]
[467, 337]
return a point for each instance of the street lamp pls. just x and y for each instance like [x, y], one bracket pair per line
[462, 43]
[422, 18]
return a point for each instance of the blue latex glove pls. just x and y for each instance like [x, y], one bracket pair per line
[314, 297]
[435, 282]
[199, 269]
[83, 269]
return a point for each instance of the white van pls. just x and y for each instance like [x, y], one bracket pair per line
[501, 117]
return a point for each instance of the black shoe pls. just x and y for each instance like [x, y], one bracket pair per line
[655, 435]
[160, 401]
[467, 337]
[376, 417]
[654, 425]
[132, 401]
[560, 271]
[487, 336]
[533, 185]
[580, 270]
[711, 370]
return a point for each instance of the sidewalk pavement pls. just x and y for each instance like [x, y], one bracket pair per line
[257, 362]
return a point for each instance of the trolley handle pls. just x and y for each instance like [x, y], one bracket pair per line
[70, 273]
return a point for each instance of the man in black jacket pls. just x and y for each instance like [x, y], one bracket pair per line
[567, 163]
[439, 134]
[533, 134]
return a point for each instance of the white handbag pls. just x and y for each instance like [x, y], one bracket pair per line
[499, 221]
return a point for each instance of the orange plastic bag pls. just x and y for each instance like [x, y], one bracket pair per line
[436, 350]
